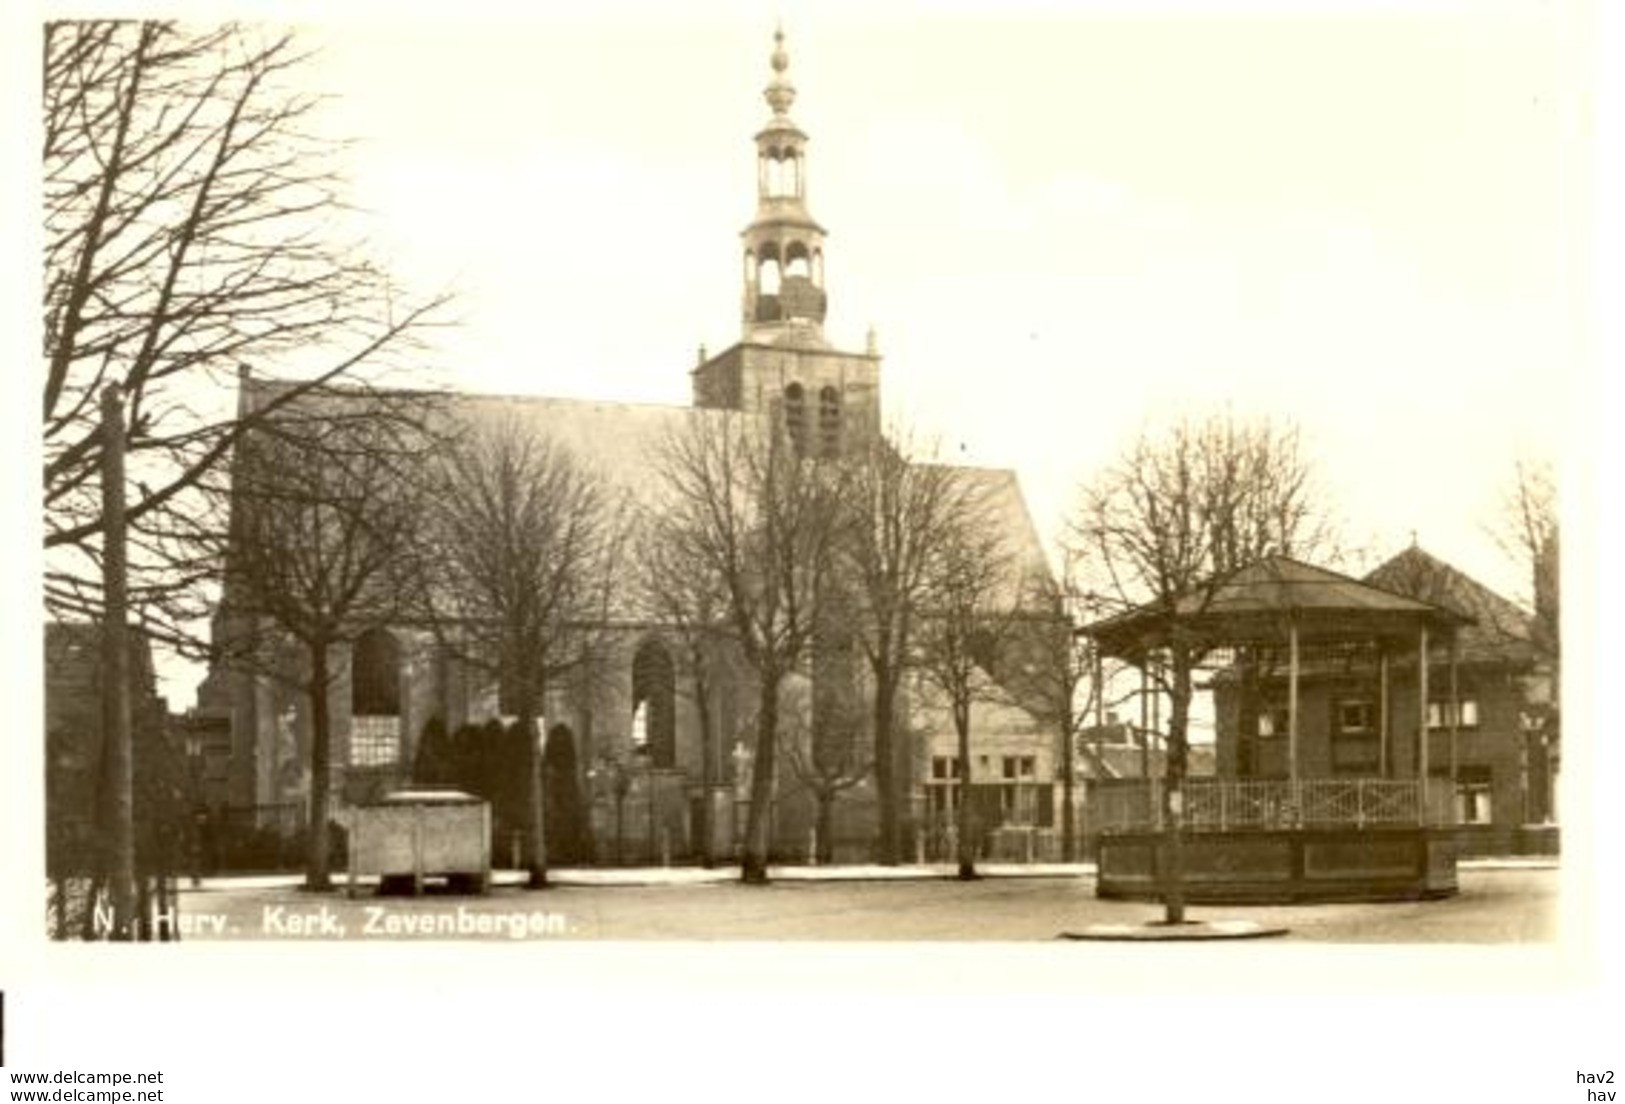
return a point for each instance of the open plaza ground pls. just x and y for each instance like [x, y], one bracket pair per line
[1503, 904]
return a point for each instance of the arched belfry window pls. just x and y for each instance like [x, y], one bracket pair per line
[654, 703]
[767, 270]
[797, 261]
[375, 700]
[829, 422]
[795, 416]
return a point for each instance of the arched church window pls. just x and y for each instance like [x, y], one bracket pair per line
[654, 703]
[375, 700]
[795, 417]
[829, 422]
[792, 173]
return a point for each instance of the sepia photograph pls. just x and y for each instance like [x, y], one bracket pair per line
[908, 480]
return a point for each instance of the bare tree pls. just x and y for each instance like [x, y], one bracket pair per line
[1171, 519]
[327, 501]
[693, 605]
[898, 512]
[972, 607]
[1050, 672]
[761, 523]
[190, 227]
[526, 543]
[1529, 533]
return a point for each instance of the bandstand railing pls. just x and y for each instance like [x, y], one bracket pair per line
[1230, 804]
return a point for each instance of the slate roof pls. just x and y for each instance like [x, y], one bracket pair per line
[618, 440]
[1499, 630]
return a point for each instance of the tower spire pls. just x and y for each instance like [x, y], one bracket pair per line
[784, 300]
[780, 93]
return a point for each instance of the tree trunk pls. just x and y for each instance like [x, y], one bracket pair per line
[824, 853]
[1069, 820]
[759, 827]
[702, 700]
[967, 840]
[321, 745]
[1174, 791]
[885, 763]
[620, 822]
[118, 761]
[536, 861]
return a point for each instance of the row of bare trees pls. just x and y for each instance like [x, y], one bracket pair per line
[355, 511]
[798, 564]
[193, 217]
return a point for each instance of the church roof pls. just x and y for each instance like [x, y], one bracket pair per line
[618, 441]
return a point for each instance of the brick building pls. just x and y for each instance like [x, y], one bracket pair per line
[1502, 757]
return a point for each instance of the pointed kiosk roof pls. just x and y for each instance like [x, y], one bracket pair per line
[1255, 603]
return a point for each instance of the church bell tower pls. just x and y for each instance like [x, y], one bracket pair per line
[828, 401]
[784, 246]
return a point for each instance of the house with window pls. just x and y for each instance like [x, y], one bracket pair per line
[1491, 746]
[1013, 787]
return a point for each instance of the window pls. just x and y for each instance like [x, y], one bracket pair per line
[1273, 720]
[1356, 716]
[1355, 743]
[374, 741]
[1018, 797]
[829, 422]
[1020, 768]
[795, 416]
[654, 703]
[942, 789]
[375, 700]
[1473, 784]
[640, 727]
[1439, 714]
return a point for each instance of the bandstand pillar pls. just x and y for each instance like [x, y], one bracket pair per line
[1422, 711]
[1455, 723]
[1292, 701]
[1383, 708]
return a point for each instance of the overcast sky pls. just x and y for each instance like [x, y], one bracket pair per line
[1061, 221]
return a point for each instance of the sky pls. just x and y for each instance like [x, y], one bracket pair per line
[1065, 223]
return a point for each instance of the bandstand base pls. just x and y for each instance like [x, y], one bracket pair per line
[1284, 866]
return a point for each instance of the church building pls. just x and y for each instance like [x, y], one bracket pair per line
[630, 772]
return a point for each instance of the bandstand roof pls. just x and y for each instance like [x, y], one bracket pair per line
[1256, 603]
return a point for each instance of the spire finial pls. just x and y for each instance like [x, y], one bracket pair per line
[780, 92]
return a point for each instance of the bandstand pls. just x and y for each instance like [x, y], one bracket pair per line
[1291, 818]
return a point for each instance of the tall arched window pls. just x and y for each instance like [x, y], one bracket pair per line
[829, 422]
[654, 703]
[375, 700]
[795, 416]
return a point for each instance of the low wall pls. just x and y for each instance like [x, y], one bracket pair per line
[1285, 865]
